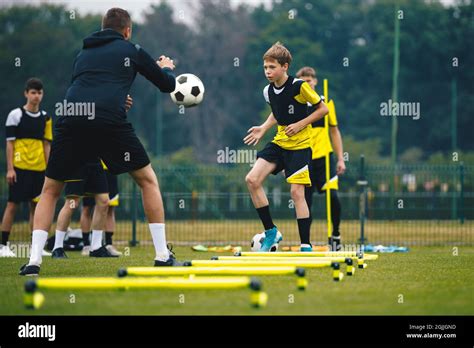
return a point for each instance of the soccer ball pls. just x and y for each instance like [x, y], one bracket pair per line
[257, 241]
[189, 90]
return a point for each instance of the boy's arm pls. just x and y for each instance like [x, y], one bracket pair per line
[48, 138]
[47, 149]
[256, 133]
[11, 174]
[337, 143]
[310, 96]
[321, 110]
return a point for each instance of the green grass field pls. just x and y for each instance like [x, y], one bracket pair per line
[431, 280]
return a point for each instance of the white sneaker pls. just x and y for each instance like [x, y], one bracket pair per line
[112, 250]
[45, 253]
[5, 251]
[86, 250]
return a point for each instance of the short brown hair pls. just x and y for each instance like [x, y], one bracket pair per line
[306, 71]
[278, 52]
[33, 83]
[117, 19]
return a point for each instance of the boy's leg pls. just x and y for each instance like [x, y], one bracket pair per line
[254, 179]
[109, 232]
[112, 183]
[62, 224]
[297, 172]
[7, 221]
[336, 220]
[86, 222]
[302, 214]
[99, 218]
[44, 214]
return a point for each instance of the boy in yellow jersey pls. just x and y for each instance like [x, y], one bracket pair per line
[321, 146]
[290, 149]
[28, 135]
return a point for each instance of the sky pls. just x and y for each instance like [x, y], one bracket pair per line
[134, 7]
[137, 7]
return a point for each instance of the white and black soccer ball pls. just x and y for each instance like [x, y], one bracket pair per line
[189, 90]
[257, 241]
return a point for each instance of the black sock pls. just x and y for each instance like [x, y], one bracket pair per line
[86, 238]
[303, 229]
[5, 236]
[335, 214]
[108, 238]
[264, 214]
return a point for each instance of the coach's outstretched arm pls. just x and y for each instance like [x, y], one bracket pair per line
[159, 73]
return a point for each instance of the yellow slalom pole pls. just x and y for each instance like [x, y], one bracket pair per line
[298, 253]
[280, 258]
[142, 283]
[33, 299]
[270, 256]
[260, 263]
[326, 158]
[245, 270]
[301, 281]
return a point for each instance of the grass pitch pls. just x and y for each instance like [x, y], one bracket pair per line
[424, 281]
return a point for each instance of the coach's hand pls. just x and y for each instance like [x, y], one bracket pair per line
[255, 134]
[165, 62]
[11, 176]
[340, 167]
[292, 129]
[128, 102]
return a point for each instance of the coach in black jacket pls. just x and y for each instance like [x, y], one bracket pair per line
[92, 124]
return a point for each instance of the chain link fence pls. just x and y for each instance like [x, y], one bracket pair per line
[204, 204]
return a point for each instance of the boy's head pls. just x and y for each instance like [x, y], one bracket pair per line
[308, 74]
[119, 20]
[276, 62]
[34, 91]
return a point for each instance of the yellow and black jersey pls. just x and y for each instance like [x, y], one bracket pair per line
[289, 104]
[320, 140]
[27, 130]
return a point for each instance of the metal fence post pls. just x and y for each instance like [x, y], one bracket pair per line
[461, 193]
[362, 182]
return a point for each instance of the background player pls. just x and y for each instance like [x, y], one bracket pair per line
[321, 146]
[28, 135]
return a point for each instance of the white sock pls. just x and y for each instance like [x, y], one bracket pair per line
[159, 241]
[37, 246]
[59, 239]
[96, 240]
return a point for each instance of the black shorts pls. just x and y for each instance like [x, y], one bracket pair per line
[89, 181]
[318, 174]
[295, 163]
[112, 183]
[80, 141]
[27, 187]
